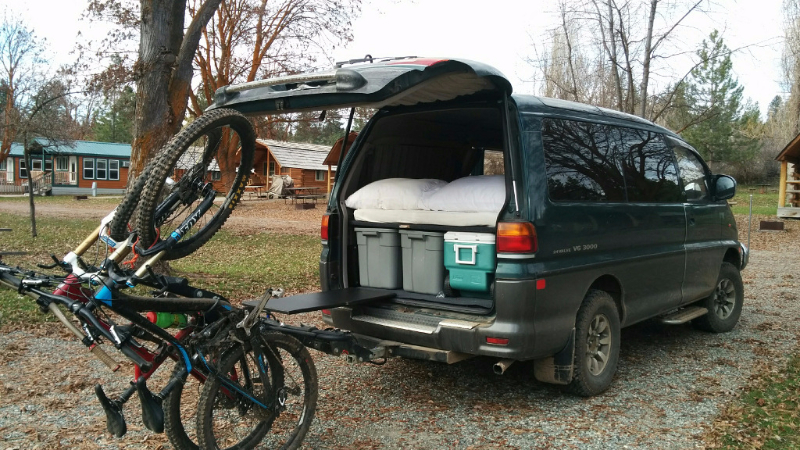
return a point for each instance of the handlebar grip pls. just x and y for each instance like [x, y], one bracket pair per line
[101, 354]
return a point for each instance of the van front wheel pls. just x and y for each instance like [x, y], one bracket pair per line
[725, 303]
[597, 339]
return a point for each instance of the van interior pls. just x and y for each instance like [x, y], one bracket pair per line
[445, 144]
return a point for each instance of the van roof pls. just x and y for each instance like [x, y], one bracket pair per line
[581, 111]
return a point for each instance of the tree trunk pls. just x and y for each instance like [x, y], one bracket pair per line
[164, 72]
[613, 54]
[648, 48]
[27, 157]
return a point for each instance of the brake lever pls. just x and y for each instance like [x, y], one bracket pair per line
[56, 263]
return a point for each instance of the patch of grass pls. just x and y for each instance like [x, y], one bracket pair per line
[767, 416]
[239, 267]
[64, 199]
[245, 266]
[15, 308]
[763, 204]
[54, 235]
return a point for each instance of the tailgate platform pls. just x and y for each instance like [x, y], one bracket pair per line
[317, 301]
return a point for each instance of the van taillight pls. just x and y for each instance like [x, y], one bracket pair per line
[324, 229]
[516, 237]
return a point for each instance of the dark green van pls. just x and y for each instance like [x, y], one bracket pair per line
[596, 219]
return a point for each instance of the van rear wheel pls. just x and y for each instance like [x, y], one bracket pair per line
[725, 303]
[597, 338]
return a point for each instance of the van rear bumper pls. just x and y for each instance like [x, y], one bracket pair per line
[511, 328]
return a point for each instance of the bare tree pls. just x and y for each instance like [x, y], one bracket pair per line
[624, 39]
[162, 70]
[791, 60]
[20, 74]
[249, 39]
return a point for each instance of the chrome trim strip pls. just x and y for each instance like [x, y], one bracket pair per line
[462, 324]
[395, 324]
[516, 255]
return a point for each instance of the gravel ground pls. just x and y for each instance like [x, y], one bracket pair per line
[671, 383]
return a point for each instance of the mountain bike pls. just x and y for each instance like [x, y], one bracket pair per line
[259, 381]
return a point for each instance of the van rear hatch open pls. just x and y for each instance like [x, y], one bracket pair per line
[388, 82]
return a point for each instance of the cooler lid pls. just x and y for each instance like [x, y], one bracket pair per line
[465, 236]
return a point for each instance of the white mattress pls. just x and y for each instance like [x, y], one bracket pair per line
[455, 219]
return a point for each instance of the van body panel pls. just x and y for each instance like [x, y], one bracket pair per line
[704, 248]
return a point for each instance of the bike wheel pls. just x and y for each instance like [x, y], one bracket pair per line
[180, 412]
[228, 421]
[215, 151]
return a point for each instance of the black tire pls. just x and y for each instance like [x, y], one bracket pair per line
[180, 409]
[597, 339]
[180, 412]
[237, 424]
[725, 303]
[215, 132]
[118, 228]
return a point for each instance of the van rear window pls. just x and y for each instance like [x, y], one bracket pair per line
[580, 162]
[603, 163]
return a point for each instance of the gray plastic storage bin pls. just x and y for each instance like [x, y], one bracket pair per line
[423, 263]
[379, 258]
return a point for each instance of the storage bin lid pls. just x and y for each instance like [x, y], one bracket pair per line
[463, 236]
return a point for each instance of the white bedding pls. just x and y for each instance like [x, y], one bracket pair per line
[418, 216]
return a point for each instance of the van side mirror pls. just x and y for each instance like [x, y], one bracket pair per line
[724, 187]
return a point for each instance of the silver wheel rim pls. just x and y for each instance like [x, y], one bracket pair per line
[598, 344]
[724, 299]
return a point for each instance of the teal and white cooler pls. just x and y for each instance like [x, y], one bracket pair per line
[471, 259]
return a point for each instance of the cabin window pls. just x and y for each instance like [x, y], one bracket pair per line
[102, 169]
[88, 169]
[23, 171]
[61, 163]
[113, 169]
[319, 175]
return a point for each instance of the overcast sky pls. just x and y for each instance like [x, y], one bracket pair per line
[501, 33]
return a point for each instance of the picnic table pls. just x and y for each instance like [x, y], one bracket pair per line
[258, 191]
[299, 195]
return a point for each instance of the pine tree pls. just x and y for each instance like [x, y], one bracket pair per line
[714, 102]
[115, 121]
[716, 125]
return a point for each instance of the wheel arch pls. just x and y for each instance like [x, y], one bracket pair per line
[732, 256]
[610, 284]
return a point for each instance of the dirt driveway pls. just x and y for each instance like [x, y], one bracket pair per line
[672, 381]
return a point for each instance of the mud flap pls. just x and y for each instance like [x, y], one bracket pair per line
[557, 369]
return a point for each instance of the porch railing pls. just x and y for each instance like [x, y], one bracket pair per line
[65, 178]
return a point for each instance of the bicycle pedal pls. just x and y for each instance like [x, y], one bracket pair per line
[115, 421]
[152, 410]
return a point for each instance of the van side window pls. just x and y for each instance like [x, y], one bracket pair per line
[692, 173]
[493, 162]
[648, 166]
[580, 162]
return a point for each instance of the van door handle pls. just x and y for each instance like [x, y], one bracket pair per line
[691, 221]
